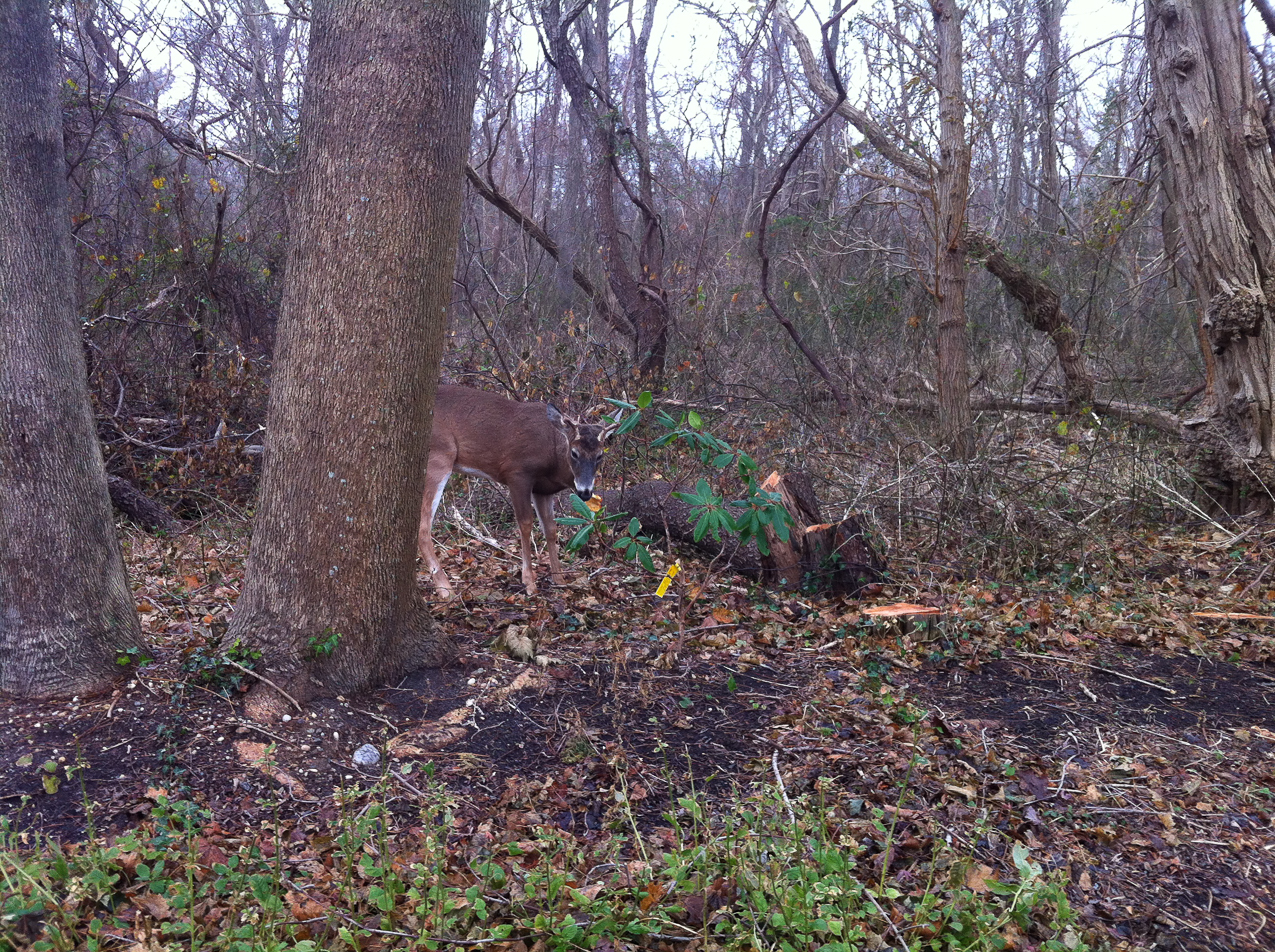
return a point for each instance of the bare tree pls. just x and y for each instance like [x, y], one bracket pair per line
[942, 181]
[66, 611]
[360, 341]
[637, 284]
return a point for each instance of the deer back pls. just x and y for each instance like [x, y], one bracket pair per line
[501, 439]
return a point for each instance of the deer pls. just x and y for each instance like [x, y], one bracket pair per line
[530, 448]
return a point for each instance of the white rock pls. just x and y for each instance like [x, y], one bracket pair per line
[367, 756]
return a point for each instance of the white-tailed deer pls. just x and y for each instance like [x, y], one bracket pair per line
[530, 448]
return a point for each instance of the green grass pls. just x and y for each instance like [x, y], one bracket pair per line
[765, 874]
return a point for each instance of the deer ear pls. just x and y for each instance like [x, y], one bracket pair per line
[555, 417]
[608, 430]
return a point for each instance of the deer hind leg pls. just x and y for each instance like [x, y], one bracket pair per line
[544, 510]
[524, 513]
[436, 476]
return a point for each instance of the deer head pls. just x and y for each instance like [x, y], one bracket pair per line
[585, 443]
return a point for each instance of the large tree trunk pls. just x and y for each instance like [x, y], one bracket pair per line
[952, 189]
[66, 612]
[1221, 176]
[361, 326]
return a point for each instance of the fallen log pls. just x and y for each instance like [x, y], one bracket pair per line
[837, 558]
[834, 557]
[139, 507]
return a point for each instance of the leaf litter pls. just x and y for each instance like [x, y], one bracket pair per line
[1119, 727]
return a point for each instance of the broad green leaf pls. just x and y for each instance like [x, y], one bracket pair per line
[644, 399]
[629, 423]
[693, 419]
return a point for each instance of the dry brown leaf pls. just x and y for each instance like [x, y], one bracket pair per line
[154, 906]
[977, 876]
[654, 893]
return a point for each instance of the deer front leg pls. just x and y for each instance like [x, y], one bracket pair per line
[544, 510]
[523, 513]
[435, 483]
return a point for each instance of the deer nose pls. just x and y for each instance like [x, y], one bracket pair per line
[584, 492]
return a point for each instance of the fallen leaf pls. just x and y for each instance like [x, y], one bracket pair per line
[154, 906]
[976, 878]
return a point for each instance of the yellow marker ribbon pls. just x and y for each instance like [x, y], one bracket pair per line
[668, 579]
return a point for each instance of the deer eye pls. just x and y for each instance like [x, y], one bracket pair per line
[575, 453]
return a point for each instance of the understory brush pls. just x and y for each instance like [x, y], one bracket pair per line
[768, 872]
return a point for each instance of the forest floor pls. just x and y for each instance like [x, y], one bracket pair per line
[1127, 742]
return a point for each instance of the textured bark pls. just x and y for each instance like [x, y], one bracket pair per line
[638, 289]
[66, 611]
[1042, 309]
[139, 507]
[1050, 12]
[385, 131]
[951, 195]
[1221, 175]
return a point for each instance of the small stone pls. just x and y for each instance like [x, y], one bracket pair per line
[367, 756]
[286, 718]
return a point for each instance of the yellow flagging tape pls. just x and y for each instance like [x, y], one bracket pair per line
[668, 579]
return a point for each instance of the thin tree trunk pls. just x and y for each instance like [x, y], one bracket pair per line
[951, 187]
[640, 296]
[376, 221]
[1050, 68]
[1221, 175]
[66, 611]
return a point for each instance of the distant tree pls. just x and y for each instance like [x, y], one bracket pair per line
[66, 612]
[942, 181]
[1219, 173]
[636, 280]
[385, 123]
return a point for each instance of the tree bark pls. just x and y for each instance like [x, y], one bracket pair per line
[639, 291]
[1042, 309]
[952, 189]
[1220, 174]
[361, 326]
[1050, 12]
[66, 611]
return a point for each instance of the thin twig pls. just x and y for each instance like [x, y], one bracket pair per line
[774, 763]
[261, 677]
[888, 921]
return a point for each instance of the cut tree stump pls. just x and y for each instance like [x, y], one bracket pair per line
[837, 558]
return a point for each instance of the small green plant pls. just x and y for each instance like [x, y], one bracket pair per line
[222, 669]
[132, 655]
[324, 645]
[746, 518]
